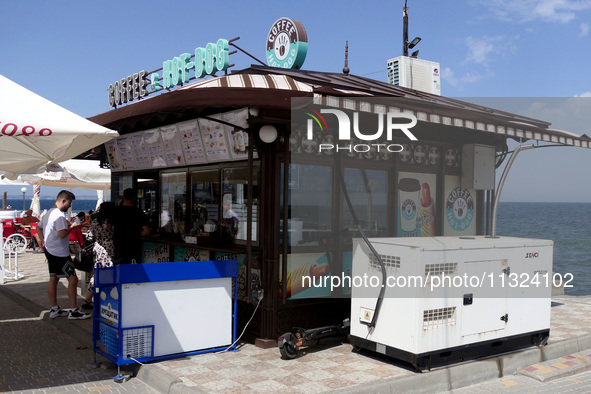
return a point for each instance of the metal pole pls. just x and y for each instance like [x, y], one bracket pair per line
[405, 30]
[24, 190]
[493, 232]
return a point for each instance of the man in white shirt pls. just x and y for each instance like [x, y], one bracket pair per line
[54, 231]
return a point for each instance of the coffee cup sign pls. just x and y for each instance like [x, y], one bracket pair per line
[287, 44]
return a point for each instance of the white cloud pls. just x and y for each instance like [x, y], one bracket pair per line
[584, 29]
[586, 94]
[481, 49]
[449, 77]
[484, 50]
[561, 11]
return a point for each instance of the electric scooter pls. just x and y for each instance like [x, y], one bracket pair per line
[291, 342]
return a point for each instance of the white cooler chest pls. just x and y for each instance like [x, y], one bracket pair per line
[450, 299]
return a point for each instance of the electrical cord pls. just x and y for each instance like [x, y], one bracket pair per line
[245, 327]
[364, 236]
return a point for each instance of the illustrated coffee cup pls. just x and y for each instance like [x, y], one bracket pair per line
[408, 193]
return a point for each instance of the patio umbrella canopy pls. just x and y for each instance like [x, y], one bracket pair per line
[74, 174]
[35, 132]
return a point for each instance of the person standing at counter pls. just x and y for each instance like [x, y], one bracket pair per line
[129, 225]
[54, 231]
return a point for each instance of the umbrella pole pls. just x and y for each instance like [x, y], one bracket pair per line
[2, 254]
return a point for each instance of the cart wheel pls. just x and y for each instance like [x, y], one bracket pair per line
[16, 243]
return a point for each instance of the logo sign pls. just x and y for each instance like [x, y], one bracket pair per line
[109, 313]
[176, 71]
[388, 122]
[459, 209]
[287, 44]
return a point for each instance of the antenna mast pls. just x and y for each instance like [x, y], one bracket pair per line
[405, 29]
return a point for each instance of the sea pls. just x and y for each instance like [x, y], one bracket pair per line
[78, 205]
[567, 224]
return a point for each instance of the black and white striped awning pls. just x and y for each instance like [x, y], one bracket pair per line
[269, 87]
[509, 125]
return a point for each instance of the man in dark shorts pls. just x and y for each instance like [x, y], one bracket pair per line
[129, 225]
[54, 233]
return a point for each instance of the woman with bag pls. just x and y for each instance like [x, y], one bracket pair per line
[101, 233]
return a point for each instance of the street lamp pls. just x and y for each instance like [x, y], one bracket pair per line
[24, 190]
[406, 45]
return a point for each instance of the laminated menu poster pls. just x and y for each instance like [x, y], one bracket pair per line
[113, 155]
[193, 149]
[141, 153]
[173, 150]
[237, 137]
[125, 153]
[154, 143]
[214, 140]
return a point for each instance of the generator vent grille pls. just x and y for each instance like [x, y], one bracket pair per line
[435, 318]
[438, 269]
[389, 261]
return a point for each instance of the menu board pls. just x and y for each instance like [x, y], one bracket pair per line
[191, 140]
[171, 141]
[141, 153]
[154, 143]
[214, 140]
[197, 141]
[125, 153]
[237, 138]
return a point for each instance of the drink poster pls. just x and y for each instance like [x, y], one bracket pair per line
[193, 149]
[237, 136]
[460, 208]
[125, 153]
[154, 143]
[416, 205]
[214, 140]
[173, 150]
[113, 154]
[140, 150]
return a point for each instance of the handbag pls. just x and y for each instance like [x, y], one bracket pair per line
[84, 259]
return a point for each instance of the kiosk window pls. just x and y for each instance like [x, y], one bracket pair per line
[205, 201]
[173, 206]
[235, 202]
[310, 193]
[368, 192]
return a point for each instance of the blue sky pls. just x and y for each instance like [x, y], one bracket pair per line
[70, 51]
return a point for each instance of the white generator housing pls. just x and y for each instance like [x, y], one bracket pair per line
[450, 299]
[413, 73]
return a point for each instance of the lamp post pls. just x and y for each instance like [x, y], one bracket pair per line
[24, 190]
[406, 45]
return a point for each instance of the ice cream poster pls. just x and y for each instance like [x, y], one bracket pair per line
[416, 205]
[309, 265]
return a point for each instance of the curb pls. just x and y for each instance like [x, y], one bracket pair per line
[464, 375]
[164, 382]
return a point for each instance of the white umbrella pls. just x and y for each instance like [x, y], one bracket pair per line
[35, 132]
[100, 198]
[70, 174]
[36, 202]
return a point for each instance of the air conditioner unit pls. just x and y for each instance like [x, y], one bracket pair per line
[413, 73]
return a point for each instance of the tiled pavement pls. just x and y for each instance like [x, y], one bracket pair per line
[333, 366]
